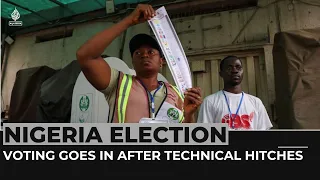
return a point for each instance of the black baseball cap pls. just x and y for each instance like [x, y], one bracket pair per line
[143, 39]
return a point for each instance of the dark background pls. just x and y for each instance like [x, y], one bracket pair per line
[240, 141]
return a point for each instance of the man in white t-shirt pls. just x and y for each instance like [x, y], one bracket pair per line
[248, 112]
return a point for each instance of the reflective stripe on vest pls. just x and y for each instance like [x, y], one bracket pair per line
[181, 118]
[178, 92]
[124, 93]
[123, 97]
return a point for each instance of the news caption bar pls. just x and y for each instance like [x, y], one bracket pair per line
[114, 134]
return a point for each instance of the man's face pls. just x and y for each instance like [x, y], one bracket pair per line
[146, 59]
[232, 72]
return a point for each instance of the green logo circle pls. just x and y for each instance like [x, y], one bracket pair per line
[173, 114]
[84, 103]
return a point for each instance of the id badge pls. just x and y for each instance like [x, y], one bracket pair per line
[150, 120]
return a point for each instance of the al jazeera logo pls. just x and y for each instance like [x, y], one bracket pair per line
[15, 15]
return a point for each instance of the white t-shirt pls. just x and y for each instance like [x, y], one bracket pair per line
[252, 114]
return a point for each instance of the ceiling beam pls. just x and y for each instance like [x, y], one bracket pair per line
[15, 4]
[63, 6]
[99, 3]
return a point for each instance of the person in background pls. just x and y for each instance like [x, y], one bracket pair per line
[231, 105]
[132, 98]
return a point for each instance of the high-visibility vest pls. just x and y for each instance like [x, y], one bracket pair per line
[124, 93]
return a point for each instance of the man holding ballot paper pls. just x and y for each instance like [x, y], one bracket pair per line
[140, 98]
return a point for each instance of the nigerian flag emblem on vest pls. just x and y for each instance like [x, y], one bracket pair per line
[173, 114]
[84, 103]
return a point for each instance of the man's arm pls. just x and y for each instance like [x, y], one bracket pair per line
[192, 102]
[93, 66]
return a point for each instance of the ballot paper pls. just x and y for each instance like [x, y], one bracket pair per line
[168, 39]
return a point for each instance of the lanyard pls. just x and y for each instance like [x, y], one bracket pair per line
[152, 97]
[230, 114]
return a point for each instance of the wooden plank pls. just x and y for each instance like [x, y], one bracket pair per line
[215, 81]
[263, 92]
[221, 86]
[249, 17]
[256, 30]
[198, 66]
[286, 23]
[203, 79]
[259, 82]
[193, 77]
[273, 23]
[251, 76]
[244, 84]
[269, 79]
[268, 60]
[207, 79]
[200, 82]
[222, 51]
[235, 26]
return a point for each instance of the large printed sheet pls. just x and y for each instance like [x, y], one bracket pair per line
[173, 51]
